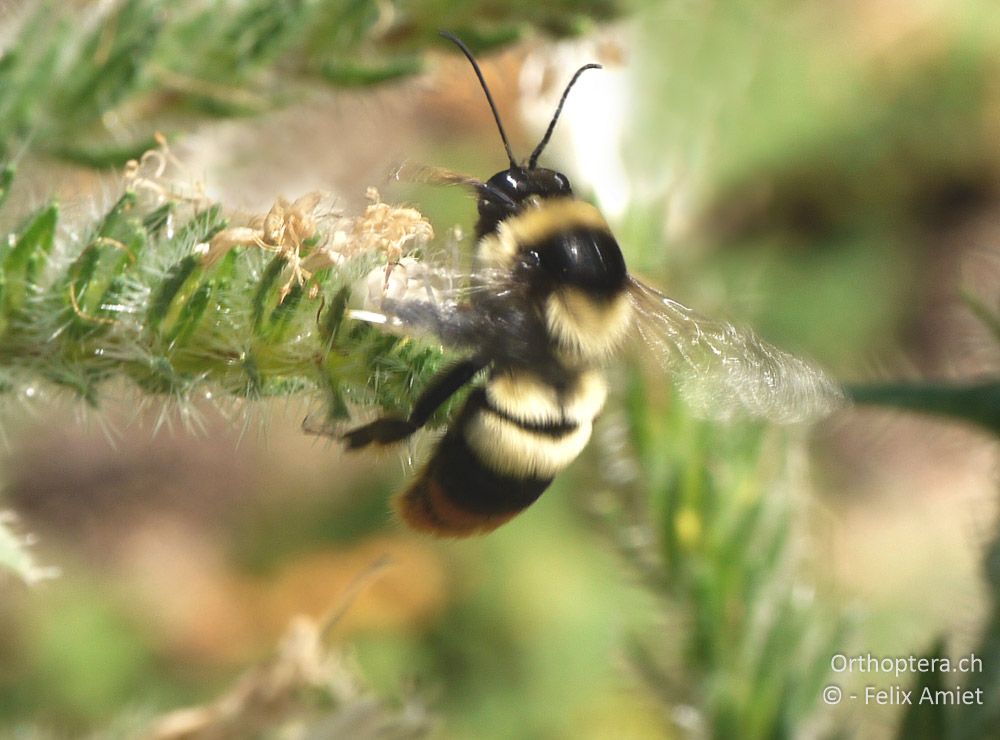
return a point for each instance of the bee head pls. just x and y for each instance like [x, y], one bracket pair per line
[508, 191]
[517, 184]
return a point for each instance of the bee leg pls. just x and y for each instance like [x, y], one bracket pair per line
[389, 429]
[382, 431]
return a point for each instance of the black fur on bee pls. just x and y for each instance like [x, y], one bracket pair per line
[540, 333]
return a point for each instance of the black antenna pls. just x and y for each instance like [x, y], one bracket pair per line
[482, 81]
[552, 125]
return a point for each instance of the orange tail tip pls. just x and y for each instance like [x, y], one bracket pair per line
[427, 507]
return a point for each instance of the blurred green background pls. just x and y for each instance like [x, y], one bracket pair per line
[824, 172]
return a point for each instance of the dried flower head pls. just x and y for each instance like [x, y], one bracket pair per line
[311, 236]
[162, 177]
[382, 229]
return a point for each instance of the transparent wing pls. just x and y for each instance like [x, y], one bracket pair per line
[724, 372]
[440, 282]
[457, 307]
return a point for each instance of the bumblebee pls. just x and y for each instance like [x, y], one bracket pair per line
[551, 303]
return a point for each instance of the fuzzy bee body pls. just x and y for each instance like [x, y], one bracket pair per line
[551, 301]
[560, 312]
[534, 414]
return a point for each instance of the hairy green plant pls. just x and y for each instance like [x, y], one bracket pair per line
[162, 292]
[711, 521]
[166, 295]
[92, 86]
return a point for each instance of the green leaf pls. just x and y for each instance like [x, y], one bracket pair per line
[333, 316]
[26, 73]
[102, 155]
[23, 263]
[156, 221]
[926, 720]
[95, 278]
[201, 228]
[268, 298]
[185, 295]
[6, 178]
[354, 74]
[481, 39]
[109, 65]
[171, 298]
[977, 403]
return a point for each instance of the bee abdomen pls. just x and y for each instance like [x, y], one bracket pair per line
[518, 448]
[457, 495]
[500, 455]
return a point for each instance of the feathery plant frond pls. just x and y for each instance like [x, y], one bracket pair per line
[163, 291]
[91, 85]
[710, 521]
